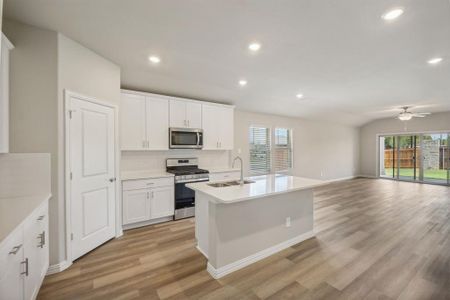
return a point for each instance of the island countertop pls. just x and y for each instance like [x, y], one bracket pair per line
[263, 186]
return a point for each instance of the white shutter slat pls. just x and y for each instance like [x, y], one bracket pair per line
[259, 139]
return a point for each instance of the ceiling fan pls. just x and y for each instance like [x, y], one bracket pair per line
[406, 115]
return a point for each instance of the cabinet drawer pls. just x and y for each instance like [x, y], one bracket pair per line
[146, 183]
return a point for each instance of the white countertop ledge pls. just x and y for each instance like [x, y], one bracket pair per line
[14, 210]
[263, 186]
[133, 175]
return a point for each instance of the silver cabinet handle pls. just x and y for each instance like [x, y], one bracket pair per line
[42, 237]
[148, 195]
[15, 249]
[189, 123]
[143, 144]
[26, 267]
[148, 144]
[41, 218]
[153, 195]
[217, 145]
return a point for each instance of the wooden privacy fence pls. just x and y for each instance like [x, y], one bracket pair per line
[407, 155]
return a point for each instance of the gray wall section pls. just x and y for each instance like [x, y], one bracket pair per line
[44, 64]
[319, 147]
[241, 229]
[369, 132]
[33, 105]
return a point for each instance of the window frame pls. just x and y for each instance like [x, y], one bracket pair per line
[272, 146]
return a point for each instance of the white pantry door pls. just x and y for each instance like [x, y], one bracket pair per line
[92, 167]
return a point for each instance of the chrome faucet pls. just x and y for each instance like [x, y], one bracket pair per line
[241, 181]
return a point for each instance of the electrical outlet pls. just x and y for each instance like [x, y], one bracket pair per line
[288, 222]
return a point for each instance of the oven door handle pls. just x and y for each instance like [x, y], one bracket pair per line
[191, 180]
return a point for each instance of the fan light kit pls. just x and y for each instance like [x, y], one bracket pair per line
[406, 115]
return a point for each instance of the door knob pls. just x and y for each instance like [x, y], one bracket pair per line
[112, 179]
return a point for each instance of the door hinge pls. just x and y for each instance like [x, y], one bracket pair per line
[71, 236]
[71, 175]
[70, 114]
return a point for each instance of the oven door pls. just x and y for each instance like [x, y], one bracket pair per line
[184, 196]
[183, 138]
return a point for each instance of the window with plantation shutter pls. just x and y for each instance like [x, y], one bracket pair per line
[282, 150]
[259, 140]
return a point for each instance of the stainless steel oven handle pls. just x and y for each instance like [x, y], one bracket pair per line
[191, 180]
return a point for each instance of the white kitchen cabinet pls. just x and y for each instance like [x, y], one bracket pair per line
[11, 258]
[136, 206]
[147, 201]
[157, 123]
[132, 122]
[6, 46]
[24, 257]
[162, 202]
[218, 127]
[144, 122]
[223, 176]
[185, 114]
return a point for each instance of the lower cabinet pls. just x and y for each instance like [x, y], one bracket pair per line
[24, 257]
[145, 201]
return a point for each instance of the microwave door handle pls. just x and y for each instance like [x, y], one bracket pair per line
[198, 138]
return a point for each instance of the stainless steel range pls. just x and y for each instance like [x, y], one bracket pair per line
[185, 170]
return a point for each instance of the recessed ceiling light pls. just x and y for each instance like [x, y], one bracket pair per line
[435, 60]
[242, 82]
[154, 59]
[254, 47]
[393, 14]
[299, 96]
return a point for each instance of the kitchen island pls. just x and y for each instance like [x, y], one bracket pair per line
[237, 225]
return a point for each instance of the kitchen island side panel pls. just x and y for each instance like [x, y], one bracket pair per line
[239, 230]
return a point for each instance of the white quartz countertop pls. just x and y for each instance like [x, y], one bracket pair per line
[131, 175]
[222, 170]
[14, 210]
[263, 186]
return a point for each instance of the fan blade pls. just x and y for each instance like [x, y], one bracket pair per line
[418, 116]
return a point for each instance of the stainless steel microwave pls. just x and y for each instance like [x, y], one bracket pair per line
[185, 138]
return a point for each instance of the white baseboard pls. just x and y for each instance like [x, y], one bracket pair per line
[341, 179]
[146, 223]
[227, 269]
[201, 251]
[367, 176]
[53, 269]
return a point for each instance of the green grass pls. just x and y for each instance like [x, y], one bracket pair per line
[432, 174]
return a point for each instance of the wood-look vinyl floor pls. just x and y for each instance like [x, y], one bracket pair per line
[375, 239]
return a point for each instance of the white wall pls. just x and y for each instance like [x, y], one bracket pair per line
[33, 102]
[368, 135]
[329, 148]
[156, 160]
[44, 64]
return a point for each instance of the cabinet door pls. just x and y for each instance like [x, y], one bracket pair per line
[31, 245]
[132, 122]
[194, 114]
[157, 123]
[11, 267]
[210, 125]
[162, 202]
[177, 113]
[226, 140]
[136, 206]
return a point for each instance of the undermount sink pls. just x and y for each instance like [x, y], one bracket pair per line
[228, 183]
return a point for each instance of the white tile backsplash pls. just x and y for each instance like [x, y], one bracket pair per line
[156, 160]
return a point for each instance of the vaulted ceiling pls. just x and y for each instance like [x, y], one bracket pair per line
[350, 64]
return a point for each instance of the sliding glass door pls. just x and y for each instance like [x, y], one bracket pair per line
[419, 157]
[435, 158]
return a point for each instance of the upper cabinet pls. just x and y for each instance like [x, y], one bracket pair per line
[218, 127]
[144, 122]
[185, 114]
[6, 46]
